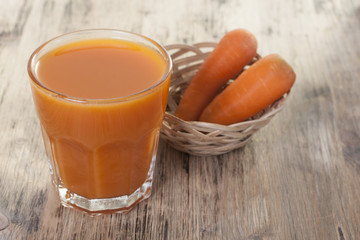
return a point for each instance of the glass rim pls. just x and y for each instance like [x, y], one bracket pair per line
[35, 80]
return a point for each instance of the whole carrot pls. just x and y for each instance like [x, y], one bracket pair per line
[255, 89]
[235, 50]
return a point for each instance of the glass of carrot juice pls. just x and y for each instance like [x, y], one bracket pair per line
[100, 96]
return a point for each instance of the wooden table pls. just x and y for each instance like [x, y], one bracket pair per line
[298, 178]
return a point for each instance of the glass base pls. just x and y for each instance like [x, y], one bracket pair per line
[97, 207]
[100, 206]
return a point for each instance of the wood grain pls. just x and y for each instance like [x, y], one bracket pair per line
[298, 178]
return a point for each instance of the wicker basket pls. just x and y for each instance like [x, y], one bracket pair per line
[201, 138]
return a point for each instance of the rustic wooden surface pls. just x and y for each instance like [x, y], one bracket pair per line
[298, 178]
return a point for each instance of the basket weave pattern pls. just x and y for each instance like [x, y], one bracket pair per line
[201, 138]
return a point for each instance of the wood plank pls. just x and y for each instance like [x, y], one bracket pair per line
[297, 178]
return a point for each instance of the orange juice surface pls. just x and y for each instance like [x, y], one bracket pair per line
[101, 148]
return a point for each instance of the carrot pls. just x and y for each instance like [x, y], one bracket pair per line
[255, 89]
[236, 49]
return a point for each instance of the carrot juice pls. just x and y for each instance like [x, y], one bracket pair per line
[101, 98]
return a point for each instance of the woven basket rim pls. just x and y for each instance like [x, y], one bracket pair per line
[218, 126]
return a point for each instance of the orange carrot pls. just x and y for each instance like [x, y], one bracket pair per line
[235, 50]
[255, 89]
